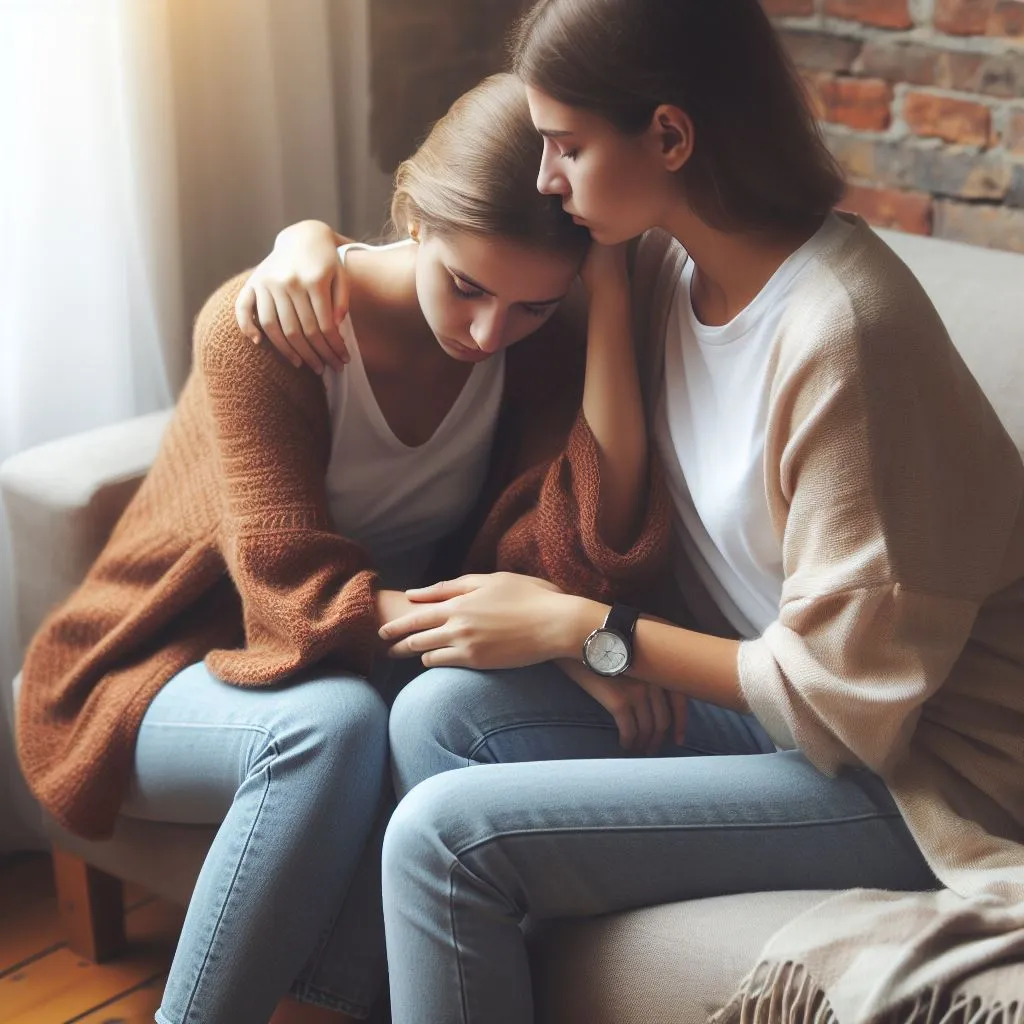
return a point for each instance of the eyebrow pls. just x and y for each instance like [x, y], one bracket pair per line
[553, 133]
[487, 291]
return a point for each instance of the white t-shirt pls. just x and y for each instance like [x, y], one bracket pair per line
[396, 500]
[710, 431]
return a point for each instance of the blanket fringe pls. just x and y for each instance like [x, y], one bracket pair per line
[785, 993]
[782, 993]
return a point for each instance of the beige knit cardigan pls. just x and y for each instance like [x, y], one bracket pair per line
[898, 501]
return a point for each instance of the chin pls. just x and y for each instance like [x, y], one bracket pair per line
[610, 236]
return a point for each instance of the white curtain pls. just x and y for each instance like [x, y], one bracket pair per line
[150, 149]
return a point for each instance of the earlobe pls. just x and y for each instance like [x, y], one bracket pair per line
[414, 231]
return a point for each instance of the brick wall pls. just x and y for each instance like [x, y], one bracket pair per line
[922, 102]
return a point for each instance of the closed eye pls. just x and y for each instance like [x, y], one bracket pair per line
[464, 290]
[539, 310]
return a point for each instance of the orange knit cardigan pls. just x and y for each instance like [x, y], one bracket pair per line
[227, 553]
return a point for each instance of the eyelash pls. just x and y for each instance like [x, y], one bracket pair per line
[571, 154]
[466, 293]
[462, 291]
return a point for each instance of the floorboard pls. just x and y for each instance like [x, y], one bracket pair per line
[43, 982]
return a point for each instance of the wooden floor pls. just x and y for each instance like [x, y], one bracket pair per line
[43, 982]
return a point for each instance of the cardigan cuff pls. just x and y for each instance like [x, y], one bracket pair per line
[647, 552]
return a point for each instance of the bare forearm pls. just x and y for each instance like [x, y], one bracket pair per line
[614, 412]
[700, 666]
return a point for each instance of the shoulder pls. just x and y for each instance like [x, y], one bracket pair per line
[229, 363]
[216, 336]
[858, 309]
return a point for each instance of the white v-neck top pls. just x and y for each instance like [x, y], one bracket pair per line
[710, 431]
[396, 500]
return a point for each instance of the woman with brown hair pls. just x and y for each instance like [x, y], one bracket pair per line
[848, 574]
[220, 662]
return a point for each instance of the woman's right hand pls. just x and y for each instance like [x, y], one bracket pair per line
[298, 297]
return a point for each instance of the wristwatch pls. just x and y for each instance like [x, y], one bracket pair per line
[608, 651]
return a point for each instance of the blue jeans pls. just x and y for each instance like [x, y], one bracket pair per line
[288, 896]
[581, 830]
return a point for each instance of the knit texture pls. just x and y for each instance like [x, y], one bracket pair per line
[898, 500]
[227, 553]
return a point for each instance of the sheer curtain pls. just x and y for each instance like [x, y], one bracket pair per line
[151, 149]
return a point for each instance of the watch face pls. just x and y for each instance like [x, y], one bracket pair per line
[607, 652]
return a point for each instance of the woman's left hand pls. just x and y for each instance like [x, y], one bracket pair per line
[496, 620]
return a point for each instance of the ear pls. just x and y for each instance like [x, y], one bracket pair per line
[414, 231]
[672, 130]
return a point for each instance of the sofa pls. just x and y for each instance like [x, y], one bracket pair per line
[674, 963]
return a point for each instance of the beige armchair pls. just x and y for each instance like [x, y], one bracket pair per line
[675, 963]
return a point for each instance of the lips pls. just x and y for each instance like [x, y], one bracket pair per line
[473, 354]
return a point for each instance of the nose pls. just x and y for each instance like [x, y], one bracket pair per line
[550, 181]
[487, 330]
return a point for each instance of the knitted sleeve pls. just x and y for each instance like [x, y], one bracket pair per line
[896, 491]
[307, 593]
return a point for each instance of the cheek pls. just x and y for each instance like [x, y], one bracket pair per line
[439, 307]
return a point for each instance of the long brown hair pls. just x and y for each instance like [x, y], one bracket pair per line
[758, 160]
[477, 172]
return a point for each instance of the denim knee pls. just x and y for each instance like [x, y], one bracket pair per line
[340, 725]
[419, 835]
[431, 726]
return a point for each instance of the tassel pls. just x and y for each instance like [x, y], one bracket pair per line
[781, 993]
[785, 993]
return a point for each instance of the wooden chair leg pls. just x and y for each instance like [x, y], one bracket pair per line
[91, 907]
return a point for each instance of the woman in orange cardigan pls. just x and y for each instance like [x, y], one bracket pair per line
[219, 662]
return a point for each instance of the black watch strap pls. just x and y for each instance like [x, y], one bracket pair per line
[622, 619]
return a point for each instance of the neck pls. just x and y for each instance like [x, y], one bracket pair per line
[383, 295]
[731, 267]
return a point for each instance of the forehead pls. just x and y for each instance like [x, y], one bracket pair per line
[510, 270]
[550, 115]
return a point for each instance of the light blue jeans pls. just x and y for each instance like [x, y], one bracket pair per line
[288, 896]
[469, 855]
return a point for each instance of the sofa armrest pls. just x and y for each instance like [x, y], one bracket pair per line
[62, 500]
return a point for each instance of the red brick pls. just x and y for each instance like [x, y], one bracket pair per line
[1015, 134]
[1007, 19]
[882, 13]
[940, 117]
[891, 208]
[916, 165]
[962, 17]
[788, 8]
[820, 51]
[996, 74]
[980, 17]
[995, 227]
[863, 103]
[899, 62]
[993, 74]
[857, 155]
